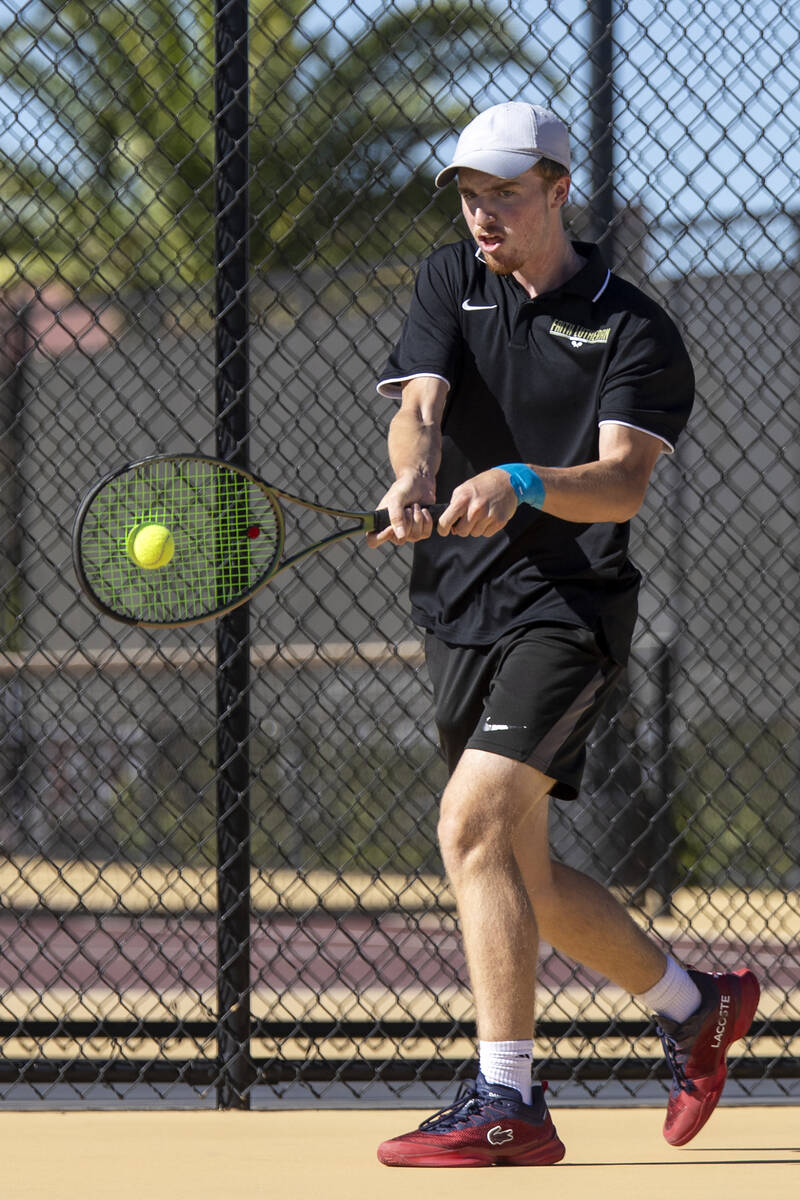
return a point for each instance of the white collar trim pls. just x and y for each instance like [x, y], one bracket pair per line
[603, 287]
[597, 295]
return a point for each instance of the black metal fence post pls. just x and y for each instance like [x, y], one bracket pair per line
[14, 347]
[601, 140]
[233, 631]
[662, 872]
[14, 339]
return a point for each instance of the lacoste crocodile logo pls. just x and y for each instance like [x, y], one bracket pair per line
[497, 1136]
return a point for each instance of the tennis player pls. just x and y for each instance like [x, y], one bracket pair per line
[537, 392]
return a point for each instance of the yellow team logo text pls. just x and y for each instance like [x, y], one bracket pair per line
[577, 336]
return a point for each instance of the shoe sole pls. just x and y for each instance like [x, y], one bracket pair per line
[750, 995]
[540, 1156]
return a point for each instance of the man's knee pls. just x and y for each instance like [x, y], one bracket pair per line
[471, 819]
[464, 835]
[484, 805]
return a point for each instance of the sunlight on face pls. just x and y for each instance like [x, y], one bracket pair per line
[515, 222]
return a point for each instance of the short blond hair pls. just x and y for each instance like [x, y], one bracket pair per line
[549, 170]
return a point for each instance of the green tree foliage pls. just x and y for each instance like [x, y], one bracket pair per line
[114, 184]
[316, 804]
[117, 185]
[735, 811]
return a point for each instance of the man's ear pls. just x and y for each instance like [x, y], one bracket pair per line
[561, 191]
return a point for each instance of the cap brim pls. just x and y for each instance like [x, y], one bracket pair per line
[505, 164]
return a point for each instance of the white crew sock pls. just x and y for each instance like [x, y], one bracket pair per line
[509, 1063]
[675, 996]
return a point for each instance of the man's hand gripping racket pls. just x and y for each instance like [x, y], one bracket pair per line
[479, 507]
[177, 539]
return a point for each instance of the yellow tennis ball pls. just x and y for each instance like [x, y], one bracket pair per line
[150, 546]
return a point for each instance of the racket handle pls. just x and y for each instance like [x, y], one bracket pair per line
[382, 516]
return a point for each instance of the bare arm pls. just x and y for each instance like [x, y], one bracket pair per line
[610, 489]
[415, 449]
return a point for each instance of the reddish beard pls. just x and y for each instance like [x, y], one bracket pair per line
[497, 266]
[506, 267]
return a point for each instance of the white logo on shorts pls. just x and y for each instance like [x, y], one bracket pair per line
[490, 726]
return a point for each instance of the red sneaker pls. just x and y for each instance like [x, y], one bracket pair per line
[696, 1049]
[488, 1126]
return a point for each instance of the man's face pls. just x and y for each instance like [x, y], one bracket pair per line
[514, 221]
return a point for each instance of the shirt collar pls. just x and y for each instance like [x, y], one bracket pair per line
[593, 278]
[589, 282]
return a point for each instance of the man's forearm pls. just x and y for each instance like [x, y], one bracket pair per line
[611, 489]
[601, 491]
[415, 436]
[415, 451]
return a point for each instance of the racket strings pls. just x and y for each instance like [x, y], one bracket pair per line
[227, 534]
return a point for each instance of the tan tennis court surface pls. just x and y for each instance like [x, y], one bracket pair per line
[744, 1154]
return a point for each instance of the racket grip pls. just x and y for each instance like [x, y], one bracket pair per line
[382, 516]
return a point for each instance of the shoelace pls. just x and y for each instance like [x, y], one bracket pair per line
[676, 1058]
[457, 1113]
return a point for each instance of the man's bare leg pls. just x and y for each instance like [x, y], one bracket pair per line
[485, 803]
[494, 841]
[580, 917]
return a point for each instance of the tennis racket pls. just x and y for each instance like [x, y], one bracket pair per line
[228, 531]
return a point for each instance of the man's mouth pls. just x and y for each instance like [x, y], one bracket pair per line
[489, 241]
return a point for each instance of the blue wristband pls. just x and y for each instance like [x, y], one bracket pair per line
[527, 485]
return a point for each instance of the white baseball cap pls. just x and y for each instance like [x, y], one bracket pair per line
[508, 139]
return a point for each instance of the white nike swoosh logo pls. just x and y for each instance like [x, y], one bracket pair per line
[467, 307]
[489, 726]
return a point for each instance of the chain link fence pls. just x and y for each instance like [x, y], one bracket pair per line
[150, 952]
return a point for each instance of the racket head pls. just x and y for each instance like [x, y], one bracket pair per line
[227, 526]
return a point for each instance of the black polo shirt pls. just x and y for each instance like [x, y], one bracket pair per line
[530, 381]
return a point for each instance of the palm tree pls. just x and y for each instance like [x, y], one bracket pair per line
[336, 147]
[116, 188]
[113, 185]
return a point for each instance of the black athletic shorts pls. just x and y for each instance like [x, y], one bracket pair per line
[534, 696]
